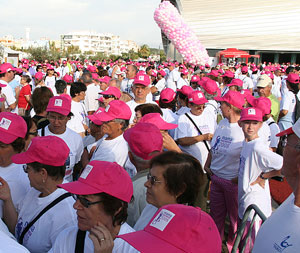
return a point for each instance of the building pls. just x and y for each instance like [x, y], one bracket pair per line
[266, 28]
[97, 43]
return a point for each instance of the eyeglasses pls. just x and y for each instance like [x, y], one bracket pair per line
[152, 179]
[26, 168]
[59, 118]
[108, 96]
[33, 133]
[83, 201]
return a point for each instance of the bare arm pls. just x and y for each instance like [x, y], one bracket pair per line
[187, 141]
[282, 114]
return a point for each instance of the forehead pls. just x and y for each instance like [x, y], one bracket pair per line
[139, 86]
[56, 114]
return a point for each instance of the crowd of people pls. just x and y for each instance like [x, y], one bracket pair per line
[131, 156]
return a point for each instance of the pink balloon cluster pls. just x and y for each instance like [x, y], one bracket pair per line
[177, 31]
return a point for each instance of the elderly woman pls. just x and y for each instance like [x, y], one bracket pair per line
[102, 194]
[223, 163]
[45, 166]
[173, 178]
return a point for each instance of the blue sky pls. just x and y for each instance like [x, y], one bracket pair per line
[130, 19]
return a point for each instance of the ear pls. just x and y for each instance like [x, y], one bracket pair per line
[240, 123]
[44, 174]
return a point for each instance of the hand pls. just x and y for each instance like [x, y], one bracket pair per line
[259, 181]
[4, 190]
[169, 143]
[101, 238]
[207, 137]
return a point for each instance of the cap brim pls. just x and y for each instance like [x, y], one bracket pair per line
[95, 120]
[7, 138]
[148, 243]
[168, 126]
[104, 116]
[22, 158]
[220, 99]
[285, 132]
[79, 188]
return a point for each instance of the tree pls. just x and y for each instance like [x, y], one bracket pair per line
[162, 56]
[144, 51]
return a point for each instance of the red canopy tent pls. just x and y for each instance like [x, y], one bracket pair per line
[234, 53]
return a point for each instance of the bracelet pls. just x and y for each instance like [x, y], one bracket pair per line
[262, 176]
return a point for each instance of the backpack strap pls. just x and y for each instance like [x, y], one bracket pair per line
[79, 247]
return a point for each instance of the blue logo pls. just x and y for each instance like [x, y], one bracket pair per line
[283, 245]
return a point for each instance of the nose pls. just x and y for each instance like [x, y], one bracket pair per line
[147, 184]
[77, 205]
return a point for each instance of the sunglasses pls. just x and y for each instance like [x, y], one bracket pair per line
[33, 133]
[152, 179]
[83, 201]
[108, 96]
[26, 168]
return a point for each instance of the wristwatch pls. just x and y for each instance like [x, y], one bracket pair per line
[262, 176]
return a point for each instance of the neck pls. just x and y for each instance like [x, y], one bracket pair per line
[76, 99]
[57, 132]
[233, 118]
[251, 138]
[49, 187]
[140, 100]
[114, 135]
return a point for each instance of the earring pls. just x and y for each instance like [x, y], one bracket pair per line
[43, 180]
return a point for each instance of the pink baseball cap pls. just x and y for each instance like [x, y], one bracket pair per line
[236, 82]
[48, 150]
[264, 104]
[2, 99]
[92, 69]
[293, 78]
[228, 73]
[142, 78]
[144, 139]
[251, 113]
[102, 176]
[156, 119]
[295, 129]
[112, 91]
[175, 229]
[185, 90]
[203, 80]
[6, 67]
[214, 73]
[270, 74]
[95, 117]
[116, 109]
[244, 69]
[232, 97]
[12, 126]
[185, 72]
[59, 104]
[68, 79]
[105, 79]
[210, 86]
[2, 85]
[197, 97]
[39, 76]
[167, 95]
[95, 76]
[207, 65]
[195, 79]
[162, 73]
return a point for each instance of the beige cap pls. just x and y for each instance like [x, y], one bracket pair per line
[264, 81]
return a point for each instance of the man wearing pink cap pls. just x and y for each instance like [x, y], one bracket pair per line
[112, 93]
[7, 74]
[112, 147]
[102, 194]
[161, 83]
[281, 230]
[257, 165]
[127, 83]
[173, 77]
[140, 90]
[247, 82]
[183, 80]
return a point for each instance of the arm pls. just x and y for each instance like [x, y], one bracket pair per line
[187, 141]
[207, 165]
[169, 143]
[282, 114]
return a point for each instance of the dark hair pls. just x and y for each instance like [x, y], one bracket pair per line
[40, 99]
[111, 205]
[76, 88]
[123, 122]
[60, 86]
[183, 175]
[170, 105]
[103, 72]
[289, 69]
[55, 172]
[27, 78]
[29, 122]
[86, 78]
[182, 96]
[148, 108]
[18, 144]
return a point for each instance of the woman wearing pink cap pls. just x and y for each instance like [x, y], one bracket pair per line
[45, 210]
[222, 165]
[102, 194]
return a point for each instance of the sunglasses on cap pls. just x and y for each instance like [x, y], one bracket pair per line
[108, 96]
[152, 179]
[83, 201]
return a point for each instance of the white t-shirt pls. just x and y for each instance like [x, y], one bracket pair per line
[172, 80]
[42, 234]
[74, 142]
[183, 110]
[9, 94]
[247, 82]
[66, 241]
[256, 158]
[181, 82]
[145, 217]
[132, 104]
[265, 133]
[226, 149]
[160, 85]
[80, 117]
[186, 128]
[276, 87]
[274, 129]
[288, 102]
[91, 96]
[281, 232]
[18, 183]
[170, 117]
[64, 70]
[7, 244]
[126, 86]
[213, 108]
[115, 150]
[50, 82]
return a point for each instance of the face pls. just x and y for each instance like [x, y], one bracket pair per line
[88, 217]
[264, 92]
[35, 177]
[250, 128]
[95, 129]
[197, 109]
[22, 81]
[138, 116]
[82, 95]
[130, 73]
[194, 85]
[6, 152]
[291, 161]
[140, 91]
[157, 194]
[225, 109]
[58, 122]
[111, 128]
[107, 99]
[32, 133]
[10, 76]
[103, 86]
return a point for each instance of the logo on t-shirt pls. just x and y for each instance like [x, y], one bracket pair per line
[283, 244]
[162, 219]
[5, 123]
[58, 102]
